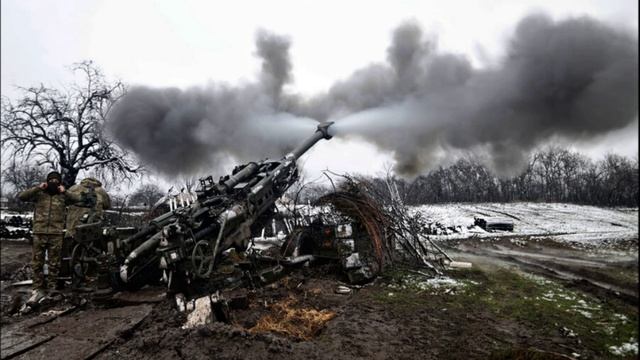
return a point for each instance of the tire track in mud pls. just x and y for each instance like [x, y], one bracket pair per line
[586, 283]
[608, 222]
[554, 268]
[500, 212]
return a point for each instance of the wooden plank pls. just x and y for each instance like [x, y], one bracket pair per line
[85, 334]
[59, 348]
[17, 343]
[146, 295]
[44, 318]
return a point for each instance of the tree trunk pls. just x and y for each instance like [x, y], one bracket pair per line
[69, 177]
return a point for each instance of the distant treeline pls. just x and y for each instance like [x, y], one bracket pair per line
[552, 175]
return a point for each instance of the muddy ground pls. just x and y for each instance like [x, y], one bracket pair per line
[523, 298]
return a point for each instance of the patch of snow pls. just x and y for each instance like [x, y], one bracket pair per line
[628, 348]
[437, 284]
[565, 331]
[540, 280]
[586, 314]
[581, 304]
[567, 297]
[621, 317]
[549, 296]
[442, 281]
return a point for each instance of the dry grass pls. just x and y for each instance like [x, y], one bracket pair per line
[288, 319]
[362, 208]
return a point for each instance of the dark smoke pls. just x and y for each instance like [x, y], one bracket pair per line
[574, 79]
[188, 131]
[276, 65]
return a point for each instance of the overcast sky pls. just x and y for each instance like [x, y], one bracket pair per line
[186, 43]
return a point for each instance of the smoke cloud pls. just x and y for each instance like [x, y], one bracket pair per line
[575, 79]
[276, 65]
[178, 131]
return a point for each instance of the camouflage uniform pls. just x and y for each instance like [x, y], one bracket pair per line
[48, 226]
[95, 201]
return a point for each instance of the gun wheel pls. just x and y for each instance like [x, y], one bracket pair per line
[201, 259]
[83, 260]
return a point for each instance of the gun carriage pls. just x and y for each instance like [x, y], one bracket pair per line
[186, 243]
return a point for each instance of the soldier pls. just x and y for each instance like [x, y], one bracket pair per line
[94, 200]
[91, 209]
[50, 200]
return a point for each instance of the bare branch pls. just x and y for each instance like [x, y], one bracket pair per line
[63, 128]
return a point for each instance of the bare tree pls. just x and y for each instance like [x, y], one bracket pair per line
[552, 174]
[17, 177]
[620, 180]
[21, 176]
[64, 129]
[147, 194]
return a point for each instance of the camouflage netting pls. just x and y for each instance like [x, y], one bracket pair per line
[398, 237]
[364, 210]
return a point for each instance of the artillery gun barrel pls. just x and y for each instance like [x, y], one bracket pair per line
[322, 132]
[245, 173]
[154, 226]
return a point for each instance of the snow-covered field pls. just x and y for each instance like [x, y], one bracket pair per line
[575, 224]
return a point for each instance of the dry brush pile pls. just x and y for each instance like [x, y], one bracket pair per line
[398, 237]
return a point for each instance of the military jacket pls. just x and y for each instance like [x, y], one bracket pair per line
[49, 215]
[94, 201]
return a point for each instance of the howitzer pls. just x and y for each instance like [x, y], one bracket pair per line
[186, 242]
